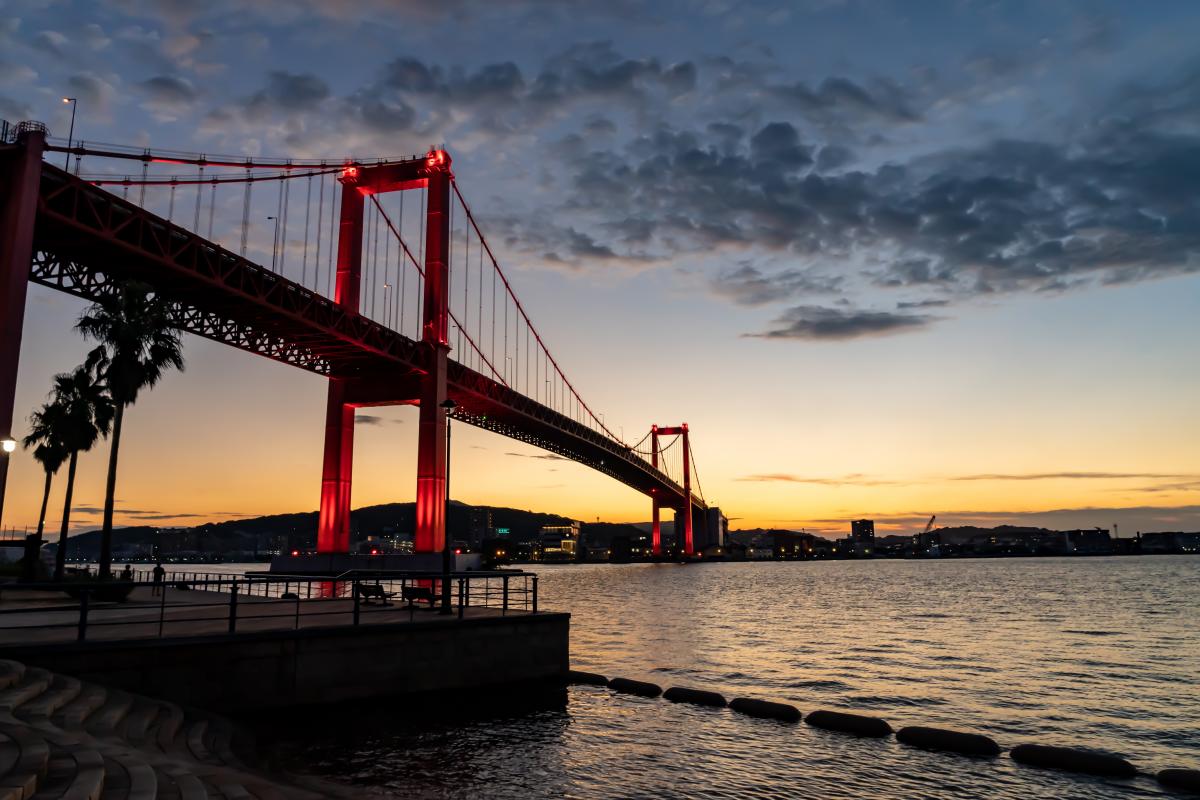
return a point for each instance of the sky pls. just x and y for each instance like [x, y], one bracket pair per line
[887, 259]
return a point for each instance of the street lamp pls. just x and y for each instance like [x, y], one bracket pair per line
[274, 241]
[71, 134]
[7, 445]
[447, 405]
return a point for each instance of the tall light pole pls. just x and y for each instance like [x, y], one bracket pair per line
[274, 241]
[7, 446]
[448, 405]
[71, 134]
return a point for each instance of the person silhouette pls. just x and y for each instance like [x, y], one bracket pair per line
[159, 575]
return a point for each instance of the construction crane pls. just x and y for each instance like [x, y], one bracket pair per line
[929, 525]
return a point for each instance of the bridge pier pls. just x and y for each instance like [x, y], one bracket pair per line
[21, 171]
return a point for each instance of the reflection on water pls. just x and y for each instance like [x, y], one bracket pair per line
[1098, 652]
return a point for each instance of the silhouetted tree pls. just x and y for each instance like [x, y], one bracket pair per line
[138, 343]
[80, 412]
[49, 451]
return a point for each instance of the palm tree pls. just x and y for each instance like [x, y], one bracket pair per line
[138, 343]
[80, 412]
[50, 452]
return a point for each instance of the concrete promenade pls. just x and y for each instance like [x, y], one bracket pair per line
[46, 618]
[283, 653]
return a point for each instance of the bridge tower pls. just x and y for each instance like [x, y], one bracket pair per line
[21, 172]
[655, 525]
[656, 534]
[358, 183]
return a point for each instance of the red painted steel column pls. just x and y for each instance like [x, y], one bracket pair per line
[431, 442]
[687, 494]
[656, 526]
[21, 178]
[333, 527]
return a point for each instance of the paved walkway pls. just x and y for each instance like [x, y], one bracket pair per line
[26, 618]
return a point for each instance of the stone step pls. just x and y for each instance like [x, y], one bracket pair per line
[74, 714]
[10, 673]
[167, 729]
[32, 683]
[219, 741]
[128, 777]
[186, 785]
[32, 761]
[136, 729]
[110, 717]
[63, 689]
[77, 774]
[195, 732]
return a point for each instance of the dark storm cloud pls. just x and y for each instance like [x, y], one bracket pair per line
[821, 323]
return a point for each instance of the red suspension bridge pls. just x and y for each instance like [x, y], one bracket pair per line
[379, 272]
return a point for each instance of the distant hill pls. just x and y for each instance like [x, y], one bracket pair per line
[299, 531]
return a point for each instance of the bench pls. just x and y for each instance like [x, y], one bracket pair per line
[419, 594]
[370, 592]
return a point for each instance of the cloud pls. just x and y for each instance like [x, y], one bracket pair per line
[1045, 476]
[749, 286]
[371, 419]
[167, 96]
[835, 324]
[845, 480]
[545, 456]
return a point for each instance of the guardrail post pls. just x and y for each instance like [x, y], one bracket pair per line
[354, 589]
[466, 599]
[83, 614]
[535, 580]
[233, 587]
[504, 596]
[462, 596]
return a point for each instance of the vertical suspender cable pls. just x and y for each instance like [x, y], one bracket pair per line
[286, 185]
[246, 214]
[403, 267]
[145, 171]
[278, 217]
[320, 222]
[333, 242]
[307, 217]
[199, 198]
[212, 207]
[171, 202]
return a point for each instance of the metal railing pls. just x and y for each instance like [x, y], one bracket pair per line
[187, 604]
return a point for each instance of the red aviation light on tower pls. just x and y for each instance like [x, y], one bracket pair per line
[437, 159]
[349, 174]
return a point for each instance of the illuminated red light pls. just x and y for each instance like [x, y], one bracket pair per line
[457, 552]
[374, 552]
[349, 173]
[295, 552]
